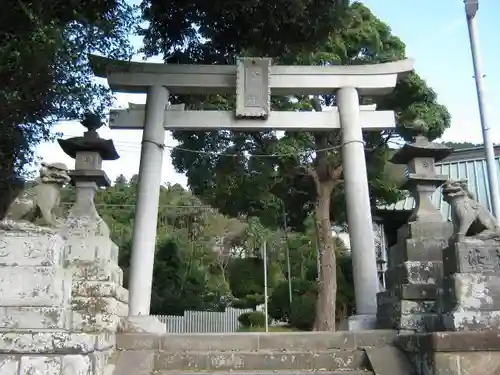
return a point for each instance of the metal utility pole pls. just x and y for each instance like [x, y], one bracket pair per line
[288, 267]
[264, 255]
[471, 8]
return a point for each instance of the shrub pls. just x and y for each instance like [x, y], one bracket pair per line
[279, 303]
[246, 277]
[303, 312]
[252, 319]
[250, 301]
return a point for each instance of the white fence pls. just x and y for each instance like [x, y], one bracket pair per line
[203, 321]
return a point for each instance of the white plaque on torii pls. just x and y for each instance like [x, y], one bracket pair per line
[253, 95]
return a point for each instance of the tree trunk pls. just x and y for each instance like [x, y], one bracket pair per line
[325, 309]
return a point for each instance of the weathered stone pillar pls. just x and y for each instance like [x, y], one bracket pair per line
[35, 305]
[148, 195]
[364, 263]
[415, 264]
[38, 333]
[469, 296]
[98, 300]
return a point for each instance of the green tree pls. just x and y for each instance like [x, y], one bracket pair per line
[218, 30]
[44, 69]
[461, 145]
[306, 174]
[279, 302]
[189, 271]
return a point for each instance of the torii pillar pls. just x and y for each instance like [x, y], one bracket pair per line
[148, 197]
[254, 79]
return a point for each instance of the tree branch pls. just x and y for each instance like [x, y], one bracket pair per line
[383, 142]
[314, 175]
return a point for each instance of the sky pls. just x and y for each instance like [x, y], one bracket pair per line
[435, 33]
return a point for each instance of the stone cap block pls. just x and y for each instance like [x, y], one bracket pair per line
[22, 249]
[97, 271]
[34, 318]
[472, 256]
[470, 291]
[424, 230]
[91, 248]
[51, 342]
[98, 289]
[412, 322]
[34, 286]
[405, 307]
[81, 226]
[90, 175]
[466, 341]
[90, 143]
[94, 322]
[414, 272]
[417, 249]
[472, 320]
[412, 292]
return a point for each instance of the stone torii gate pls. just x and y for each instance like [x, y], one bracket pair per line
[253, 80]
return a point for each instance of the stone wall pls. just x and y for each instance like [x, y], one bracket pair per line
[36, 321]
[99, 300]
[413, 276]
[61, 300]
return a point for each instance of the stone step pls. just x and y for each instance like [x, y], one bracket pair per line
[298, 341]
[338, 359]
[147, 362]
[254, 372]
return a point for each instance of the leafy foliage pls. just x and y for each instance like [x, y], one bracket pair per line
[246, 276]
[190, 269]
[252, 319]
[461, 145]
[279, 302]
[44, 68]
[303, 312]
[194, 270]
[215, 31]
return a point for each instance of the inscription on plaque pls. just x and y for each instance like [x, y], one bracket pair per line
[88, 160]
[482, 260]
[475, 258]
[252, 87]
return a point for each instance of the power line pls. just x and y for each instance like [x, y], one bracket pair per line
[133, 205]
[223, 154]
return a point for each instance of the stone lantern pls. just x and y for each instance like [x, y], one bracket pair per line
[415, 262]
[420, 157]
[88, 151]
[99, 301]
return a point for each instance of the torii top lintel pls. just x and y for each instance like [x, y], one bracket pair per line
[136, 77]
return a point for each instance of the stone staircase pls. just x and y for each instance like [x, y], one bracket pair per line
[329, 353]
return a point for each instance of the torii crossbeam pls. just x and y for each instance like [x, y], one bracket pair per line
[177, 119]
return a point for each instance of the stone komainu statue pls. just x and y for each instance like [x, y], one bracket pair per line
[38, 204]
[468, 216]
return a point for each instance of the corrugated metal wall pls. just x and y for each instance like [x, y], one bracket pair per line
[203, 321]
[474, 171]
